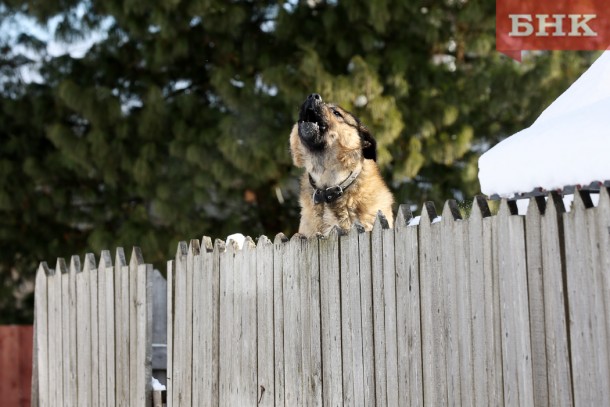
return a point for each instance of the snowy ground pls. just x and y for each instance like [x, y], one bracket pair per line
[569, 144]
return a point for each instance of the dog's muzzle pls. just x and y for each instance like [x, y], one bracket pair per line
[312, 125]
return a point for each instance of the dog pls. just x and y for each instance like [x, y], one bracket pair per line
[341, 183]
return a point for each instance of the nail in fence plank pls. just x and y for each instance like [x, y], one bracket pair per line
[330, 304]
[83, 333]
[143, 355]
[558, 364]
[516, 345]
[351, 320]
[379, 331]
[264, 309]
[226, 345]
[293, 326]
[171, 309]
[587, 328]
[449, 282]
[121, 292]
[40, 383]
[107, 327]
[432, 310]
[366, 299]
[205, 325]
[181, 384]
[535, 287]
[482, 312]
[410, 389]
[68, 288]
[280, 248]
[55, 334]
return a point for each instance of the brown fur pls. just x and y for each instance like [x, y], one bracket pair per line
[345, 140]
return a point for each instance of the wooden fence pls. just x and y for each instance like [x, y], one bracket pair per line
[92, 341]
[489, 310]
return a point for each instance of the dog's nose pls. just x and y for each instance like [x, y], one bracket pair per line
[314, 96]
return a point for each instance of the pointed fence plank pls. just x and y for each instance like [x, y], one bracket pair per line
[410, 385]
[121, 323]
[68, 287]
[181, 385]
[535, 286]
[106, 328]
[556, 332]
[135, 262]
[264, 309]
[55, 333]
[143, 354]
[41, 370]
[246, 313]
[432, 310]
[516, 344]
[171, 308]
[206, 280]
[94, 328]
[280, 247]
[330, 304]
[226, 345]
[83, 333]
[351, 320]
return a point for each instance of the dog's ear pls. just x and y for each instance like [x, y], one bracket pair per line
[369, 145]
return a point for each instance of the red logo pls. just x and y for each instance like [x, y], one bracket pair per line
[551, 25]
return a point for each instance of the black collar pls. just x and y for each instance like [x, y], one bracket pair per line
[331, 194]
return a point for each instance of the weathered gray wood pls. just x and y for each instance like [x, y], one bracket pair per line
[41, 371]
[535, 285]
[264, 309]
[432, 310]
[55, 333]
[366, 300]
[330, 304]
[246, 311]
[83, 333]
[585, 298]
[135, 262]
[558, 364]
[104, 321]
[226, 344]
[601, 220]
[95, 334]
[293, 327]
[171, 309]
[180, 379]
[143, 322]
[379, 331]
[280, 248]
[410, 386]
[351, 320]
[449, 281]
[205, 325]
[516, 345]
[68, 287]
[482, 305]
[121, 290]
[389, 301]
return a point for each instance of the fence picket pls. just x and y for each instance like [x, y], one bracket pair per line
[121, 323]
[516, 348]
[40, 369]
[55, 332]
[181, 386]
[264, 309]
[246, 313]
[68, 287]
[280, 247]
[83, 333]
[143, 355]
[379, 331]
[226, 346]
[410, 391]
[171, 309]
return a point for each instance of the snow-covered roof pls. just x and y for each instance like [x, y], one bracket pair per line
[569, 144]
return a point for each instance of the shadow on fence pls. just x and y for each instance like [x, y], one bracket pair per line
[489, 310]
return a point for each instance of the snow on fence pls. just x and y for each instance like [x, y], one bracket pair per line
[489, 310]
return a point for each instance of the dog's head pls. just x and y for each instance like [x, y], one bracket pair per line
[325, 128]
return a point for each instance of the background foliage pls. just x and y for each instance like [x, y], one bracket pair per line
[174, 124]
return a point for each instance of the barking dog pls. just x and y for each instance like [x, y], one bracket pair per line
[342, 183]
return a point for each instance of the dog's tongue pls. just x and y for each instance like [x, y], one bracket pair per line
[309, 130]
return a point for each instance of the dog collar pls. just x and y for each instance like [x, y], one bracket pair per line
[331, 194]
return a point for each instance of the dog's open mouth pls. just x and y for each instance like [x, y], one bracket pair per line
[312, 126]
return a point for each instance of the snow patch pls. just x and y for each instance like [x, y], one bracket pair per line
[567, 145]
[238, 238]
[157, 386]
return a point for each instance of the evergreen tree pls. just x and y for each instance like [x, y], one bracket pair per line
[175, 124]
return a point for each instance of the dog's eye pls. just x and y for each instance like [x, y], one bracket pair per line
[336, 113]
